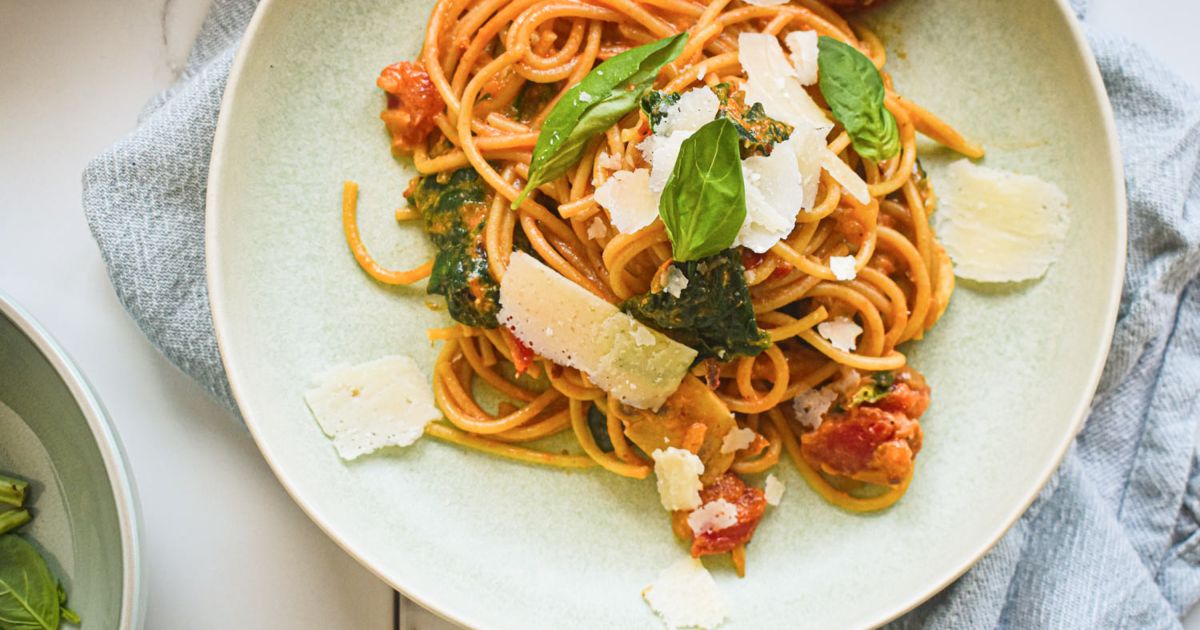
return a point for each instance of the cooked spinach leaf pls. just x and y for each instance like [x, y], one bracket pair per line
[454, 207]
[533, 98]
[598, 425]
[655, 104]
[878, 386]
[757, 131]
[713, 314]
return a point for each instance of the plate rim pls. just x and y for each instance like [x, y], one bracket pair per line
[112, 453]
[433, 602]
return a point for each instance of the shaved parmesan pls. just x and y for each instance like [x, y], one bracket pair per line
[737, 440]
[686, 596]
[630, 203]
[803, 48]
[773, 491]
[772, 81]
[774, 193]
[1000, 226]
[662, 152]
[567, 324]
[675, 282]
[811, 405]
[596, 229]
[844, 175]
[363, 408]
[809, 147]
[694, 109]
[842, 267]
[677, 472]
[713, 516]
[841, 333]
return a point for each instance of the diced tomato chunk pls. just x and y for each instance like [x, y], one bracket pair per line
[413, 102]
[872, 442]
[750, 503]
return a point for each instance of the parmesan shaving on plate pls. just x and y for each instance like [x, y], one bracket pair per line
[842, 267]
[1000, 226]
[737, 440]
[810, 406]
[773, 491]
[567, 324]
[677, 472]
[686, 596]
[676, 282]
[363, 408]
[712, 516]
[841, 333]
[630, 203]
[802, 46]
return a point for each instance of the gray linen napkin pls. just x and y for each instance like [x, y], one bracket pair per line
[1113, 540]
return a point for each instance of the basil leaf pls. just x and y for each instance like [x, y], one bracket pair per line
[854, 90]
[611, 90]
[703, 203]
[29, 594]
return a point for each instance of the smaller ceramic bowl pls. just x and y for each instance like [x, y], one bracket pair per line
[54, 432]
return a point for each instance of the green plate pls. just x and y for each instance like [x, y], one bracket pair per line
[54, 432]
[495, 544]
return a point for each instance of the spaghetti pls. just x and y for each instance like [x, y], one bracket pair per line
[489, 74]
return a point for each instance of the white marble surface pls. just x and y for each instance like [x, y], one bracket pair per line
[224, 546]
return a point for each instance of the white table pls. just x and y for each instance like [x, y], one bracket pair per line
[73, 76]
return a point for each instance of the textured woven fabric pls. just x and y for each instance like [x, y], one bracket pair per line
[1113, 540]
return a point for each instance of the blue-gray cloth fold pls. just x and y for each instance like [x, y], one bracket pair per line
[1112, 541]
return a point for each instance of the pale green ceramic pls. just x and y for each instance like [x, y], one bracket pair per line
[54, 432]
[496, 544]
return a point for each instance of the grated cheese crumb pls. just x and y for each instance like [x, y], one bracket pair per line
[596, 229]
[363, 408]
[841, 333]
[686, 596]
[713, 516]
[1000, 226]
[628, 199]
[584, 97]
[678, 478]
[676, 282]
[811, 405]
[842, 267]
[737, 440]
[773, 491]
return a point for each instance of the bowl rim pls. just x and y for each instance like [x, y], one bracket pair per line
[436, 602]
[112, 453]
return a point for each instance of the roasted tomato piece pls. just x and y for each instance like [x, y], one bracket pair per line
[750, 504]
[413, 102]
[874, 441]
